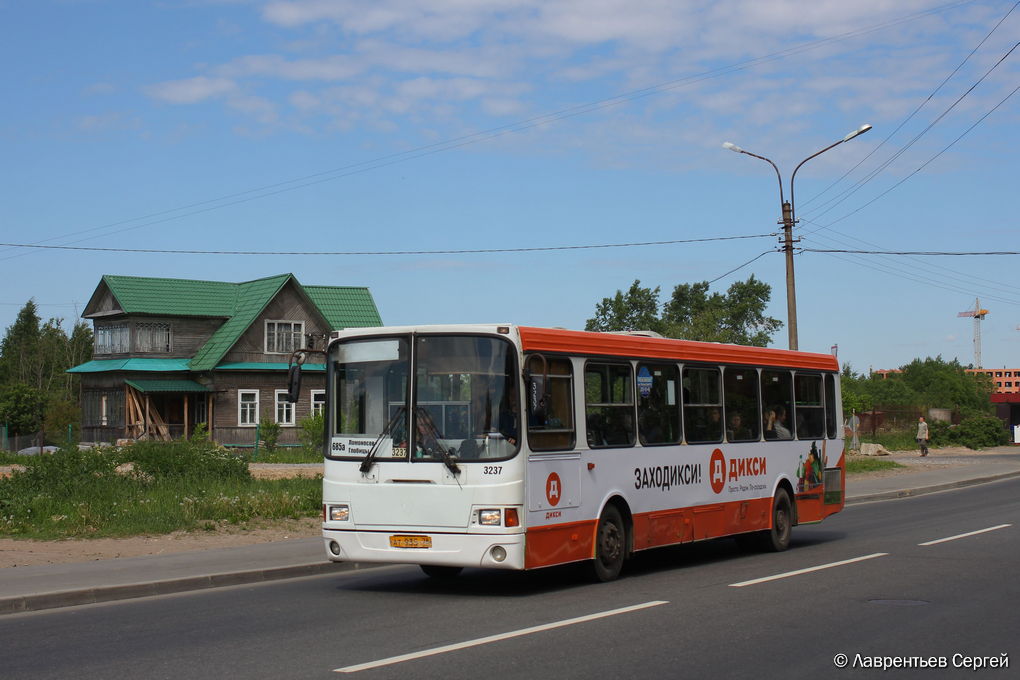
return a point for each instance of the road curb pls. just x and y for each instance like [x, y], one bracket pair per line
[94, 595]
[920, 491]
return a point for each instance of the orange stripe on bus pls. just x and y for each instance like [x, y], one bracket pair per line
[562, 543]
[612, 344]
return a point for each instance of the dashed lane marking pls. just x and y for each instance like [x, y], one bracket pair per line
[496, 638]
[969, 533]
[798, 572]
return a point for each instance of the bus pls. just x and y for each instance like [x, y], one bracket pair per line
[514, 447]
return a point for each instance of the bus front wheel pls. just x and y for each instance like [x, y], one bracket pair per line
[610, 545]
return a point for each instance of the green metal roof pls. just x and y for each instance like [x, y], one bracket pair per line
[173, 297]
[239, 303]
[104, 365]
[167, 386]
[345, 306]
[258, 366]
[252, 298]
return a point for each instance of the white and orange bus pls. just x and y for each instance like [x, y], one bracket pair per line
[513, 447]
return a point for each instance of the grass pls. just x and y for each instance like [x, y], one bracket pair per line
[893, 441]
[177, 486]
[869, 464]
[294, 454]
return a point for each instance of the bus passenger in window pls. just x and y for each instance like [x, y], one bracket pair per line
[737, 431]
[775, 423]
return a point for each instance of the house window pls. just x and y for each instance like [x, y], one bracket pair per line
[247, 408]
[318, 401]
[283, 337]
[152, 337]
[284, 409]
[112, 339]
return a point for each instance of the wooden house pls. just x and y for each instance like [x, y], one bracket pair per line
[173, 353]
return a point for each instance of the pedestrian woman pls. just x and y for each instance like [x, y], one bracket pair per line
[922, 435]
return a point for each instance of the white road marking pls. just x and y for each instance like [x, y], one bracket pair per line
[495, 638]
[969, 533]
[787, 574]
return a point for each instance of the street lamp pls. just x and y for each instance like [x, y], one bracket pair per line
[788, 220]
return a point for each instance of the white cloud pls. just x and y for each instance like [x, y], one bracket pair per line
[190, 90]
[337, 67]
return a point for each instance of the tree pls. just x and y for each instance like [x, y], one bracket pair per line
[19, 347]
[21, 408]
[738, 316]
[34, 358]
[637, 309]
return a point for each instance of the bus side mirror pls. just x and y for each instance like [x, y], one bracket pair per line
[294, 377]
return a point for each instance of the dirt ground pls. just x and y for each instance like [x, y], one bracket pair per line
[23, 553]
[15, 553]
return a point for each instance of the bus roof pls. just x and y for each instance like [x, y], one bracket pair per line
[636, 346]
[586, 343]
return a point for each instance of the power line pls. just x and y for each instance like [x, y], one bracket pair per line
[268, 190]
[919, 106]
[465, 251]
[910, 252]
[723, 276]
[836, 200]
[930, 160]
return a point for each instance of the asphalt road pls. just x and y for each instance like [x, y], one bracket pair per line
[701, 611]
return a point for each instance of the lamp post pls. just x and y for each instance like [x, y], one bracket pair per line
[788, 220]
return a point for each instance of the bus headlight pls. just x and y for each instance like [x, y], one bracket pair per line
[490, 517]
[498, 553]
[339, 513]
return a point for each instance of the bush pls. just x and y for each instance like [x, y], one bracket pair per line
[975, 432]
[186, 459]
[64, 470]
[269, 432]
[981, 431]
[312, 431]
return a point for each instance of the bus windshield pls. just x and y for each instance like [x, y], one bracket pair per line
[464, 403]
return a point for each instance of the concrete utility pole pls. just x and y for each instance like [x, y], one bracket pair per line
[788, 220]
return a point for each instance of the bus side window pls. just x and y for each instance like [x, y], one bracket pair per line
[658, 398]
[702, 405]
[777, 397]
[810, 410]
[552, 427]
[743, 407]
[830, 405]
[609, 405]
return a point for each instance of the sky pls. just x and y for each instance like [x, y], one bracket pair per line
[347, 129]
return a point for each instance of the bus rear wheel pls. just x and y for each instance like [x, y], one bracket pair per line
[610, 545]
[441, 573]
[776, 538]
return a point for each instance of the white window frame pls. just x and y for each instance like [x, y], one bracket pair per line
[240, 411]
[288, 408]
[318, 406]
[297, 334]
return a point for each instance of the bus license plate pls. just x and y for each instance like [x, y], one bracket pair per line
[410, 541]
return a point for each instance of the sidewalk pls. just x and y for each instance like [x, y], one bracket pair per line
[64, 585]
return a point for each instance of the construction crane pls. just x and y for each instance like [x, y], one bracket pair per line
[978, 315]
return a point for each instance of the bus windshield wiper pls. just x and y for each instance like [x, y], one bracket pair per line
[430, 429]
[366, 464]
